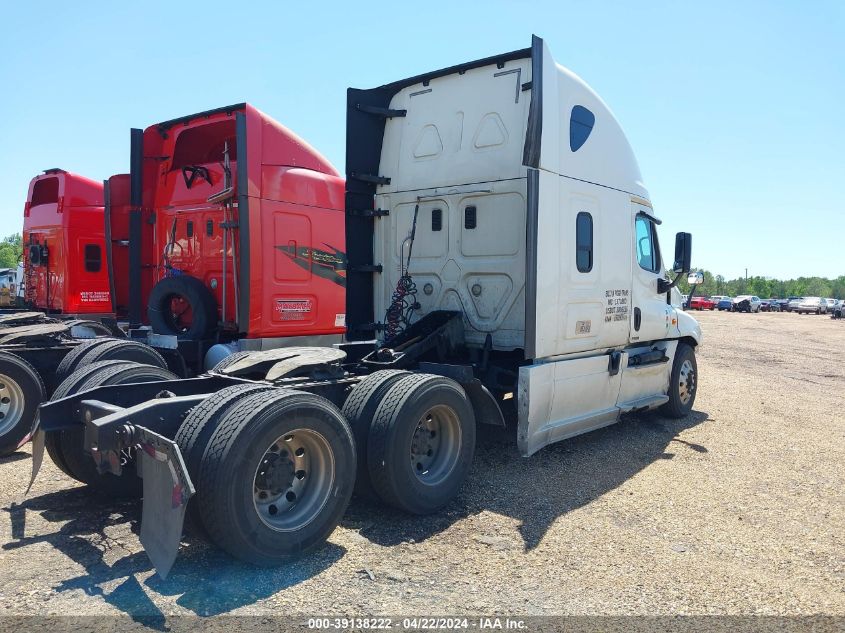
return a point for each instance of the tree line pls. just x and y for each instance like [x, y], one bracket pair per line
[767, 288]
[11, 249]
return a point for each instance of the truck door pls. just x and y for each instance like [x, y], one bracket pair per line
[651, 315]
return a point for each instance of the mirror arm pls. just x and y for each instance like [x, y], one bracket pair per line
[664, 286]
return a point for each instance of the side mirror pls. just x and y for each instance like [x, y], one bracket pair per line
[683, 253]
[696, 278]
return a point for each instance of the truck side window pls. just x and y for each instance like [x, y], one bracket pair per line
[584, 242]
[93, 258]
[648, 255]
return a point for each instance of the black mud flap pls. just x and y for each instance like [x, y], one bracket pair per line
[167, 489]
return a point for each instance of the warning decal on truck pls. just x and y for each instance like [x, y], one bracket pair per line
[94, 296]
[294, 309]
[617, 305]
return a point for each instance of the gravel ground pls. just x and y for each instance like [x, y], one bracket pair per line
[737, 509]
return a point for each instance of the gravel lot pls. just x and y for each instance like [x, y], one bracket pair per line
[738, 509]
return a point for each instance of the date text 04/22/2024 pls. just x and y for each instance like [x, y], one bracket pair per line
[416, 623]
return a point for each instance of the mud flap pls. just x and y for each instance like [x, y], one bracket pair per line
[38, 439]
[167, 489]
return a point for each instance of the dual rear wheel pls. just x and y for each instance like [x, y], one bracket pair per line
[274, 469]
[420, 443]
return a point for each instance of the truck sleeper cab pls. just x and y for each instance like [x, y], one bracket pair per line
[502, 261]
[64, 245]
[531, 220]
[238, 233]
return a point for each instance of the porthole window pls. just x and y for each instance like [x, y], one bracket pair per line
[581, 123]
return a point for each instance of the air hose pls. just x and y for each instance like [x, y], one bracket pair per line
[404, 299]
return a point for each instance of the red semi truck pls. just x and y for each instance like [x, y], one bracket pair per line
[229, 230]
[65, 270]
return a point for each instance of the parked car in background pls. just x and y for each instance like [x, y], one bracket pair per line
[793, 303]
[746, 303]
[809, 305]
[831, 304]
[702, 303]
[718, 298]
[839, 311]
[725, 303]
[770, 305]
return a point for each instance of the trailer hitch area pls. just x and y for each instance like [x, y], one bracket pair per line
[51, 417]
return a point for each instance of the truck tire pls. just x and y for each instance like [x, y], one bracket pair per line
[358, 409]
[123, 350]
[21, 391]
[70, 362]
[276, 477]
[86, 329]
[429, 419]
[195, 297]
[68, 386]
[66, 446]
[199, 425]
[230, 360]
[683, 383]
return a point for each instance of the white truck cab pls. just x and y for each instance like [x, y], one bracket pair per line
[506, 190]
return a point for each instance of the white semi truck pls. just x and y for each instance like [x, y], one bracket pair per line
[503, 266]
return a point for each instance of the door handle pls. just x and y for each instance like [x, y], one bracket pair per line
[638, 319]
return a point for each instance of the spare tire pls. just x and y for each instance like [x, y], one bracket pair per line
[182, 306]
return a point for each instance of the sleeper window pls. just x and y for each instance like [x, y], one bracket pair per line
[584, 242]
[93, 258]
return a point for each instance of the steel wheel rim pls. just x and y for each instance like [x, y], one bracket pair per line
[686, 382]
[181, 320]
[435, 445]
[293, 480]
[12, 404]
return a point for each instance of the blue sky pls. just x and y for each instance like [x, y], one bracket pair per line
[735, 110]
